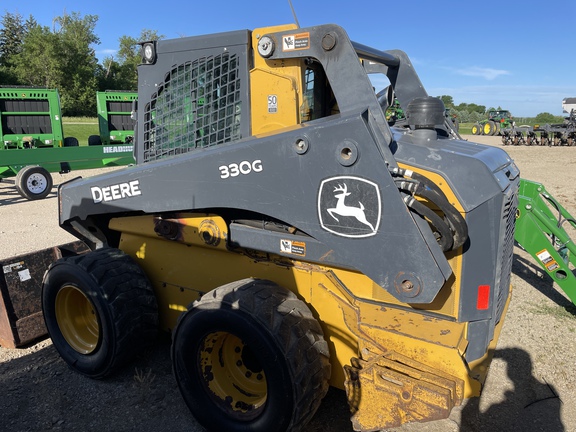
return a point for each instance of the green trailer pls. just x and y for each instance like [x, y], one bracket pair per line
[33, 143]
[115, 122]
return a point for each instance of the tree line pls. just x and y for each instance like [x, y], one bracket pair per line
[472, 113]
[62, 57]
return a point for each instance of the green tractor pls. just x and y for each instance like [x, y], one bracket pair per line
[395, 112]
[497, 119]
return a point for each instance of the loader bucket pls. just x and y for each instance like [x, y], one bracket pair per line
[21, 319]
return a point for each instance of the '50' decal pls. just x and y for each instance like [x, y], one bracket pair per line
[244, 167]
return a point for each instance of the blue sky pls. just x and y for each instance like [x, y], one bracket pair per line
[517, 55]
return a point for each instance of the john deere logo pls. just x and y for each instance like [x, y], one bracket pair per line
[349, 206]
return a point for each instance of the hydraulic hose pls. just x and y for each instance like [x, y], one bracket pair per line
[445, 239]
[454, 218]
[421, 186]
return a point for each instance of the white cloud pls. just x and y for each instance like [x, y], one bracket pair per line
[106, 52]
[486, 73]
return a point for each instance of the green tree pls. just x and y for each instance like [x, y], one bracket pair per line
[12, 34]
[120, 73]
[39, 62]
[448, 101]
[80, 64]
[63, 58]
[472, 107]
[545, 117]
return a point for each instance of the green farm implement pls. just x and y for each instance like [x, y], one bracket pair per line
[115, 121]
[33, 143]
[541, 230]
[558, 134]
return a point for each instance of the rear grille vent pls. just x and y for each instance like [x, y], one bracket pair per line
[503, 283]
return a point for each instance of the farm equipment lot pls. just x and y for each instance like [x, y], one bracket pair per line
[530, 385]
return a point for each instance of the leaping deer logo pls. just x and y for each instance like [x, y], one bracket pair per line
[342, 209]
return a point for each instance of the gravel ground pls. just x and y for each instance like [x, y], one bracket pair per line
[529, 387]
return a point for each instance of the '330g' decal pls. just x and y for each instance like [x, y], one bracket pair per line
[244, 167]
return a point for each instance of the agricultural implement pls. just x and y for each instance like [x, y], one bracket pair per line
[288, 238]
[541, 230]
[33, 143]
[115, 122]
[560, 134]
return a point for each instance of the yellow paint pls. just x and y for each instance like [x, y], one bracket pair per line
[439, 181]
[353, 311]
[280, 79]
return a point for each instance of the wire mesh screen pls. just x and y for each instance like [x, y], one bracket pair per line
[198, 105]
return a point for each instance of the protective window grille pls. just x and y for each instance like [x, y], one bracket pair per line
[198, 105]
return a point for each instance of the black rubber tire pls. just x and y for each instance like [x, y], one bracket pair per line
[278, 335]
[70, 142]
[121, 299]
[94, 140]
[34, 182]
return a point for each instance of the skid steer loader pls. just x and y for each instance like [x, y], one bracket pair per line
[288, 238]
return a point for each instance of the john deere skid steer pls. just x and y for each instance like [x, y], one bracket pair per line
[288, 238]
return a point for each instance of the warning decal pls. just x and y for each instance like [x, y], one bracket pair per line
[293, 247]
[298, 41]
[272, 104]
[24, 275]
[547, 260]
[12, 267]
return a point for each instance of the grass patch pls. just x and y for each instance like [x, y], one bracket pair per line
[556, 311]
[80, 129]
[465, 128]
[66, 120]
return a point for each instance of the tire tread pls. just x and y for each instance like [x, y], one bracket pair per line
[130, 299]
[293, 327]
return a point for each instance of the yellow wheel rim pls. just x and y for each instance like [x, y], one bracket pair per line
[233, 374]
[76, 317]
[487, 128]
